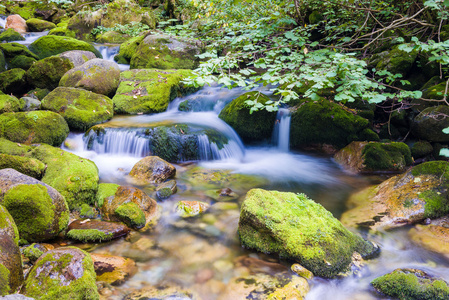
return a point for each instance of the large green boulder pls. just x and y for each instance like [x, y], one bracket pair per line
[11, 272]
[96, 75]
[38, 25]
[11, 50]
[166, 52]
[300, 229]
[13, 81]
[8, 226]
[429, 124]
[21, 62]
[149, 91]
[25, 165]
[374, 157]
[51, 45]
[127, 50]
[409, 198]
[34, 127]
[411, 284]
[324, 122]
[65, 273]
[11, 104]
[47, 72]
[76, 178]
[251, 127]
[80, 108]
[394, 61]
[10, 35]
[39, 211]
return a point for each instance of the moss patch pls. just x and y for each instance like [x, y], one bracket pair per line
[89, 235]
[47, 72]
[25, 165]
[105, 190]
[10, 35]
[10, 104]
[52, 45]
[131, 214]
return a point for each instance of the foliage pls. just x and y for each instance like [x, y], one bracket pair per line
[131, 29]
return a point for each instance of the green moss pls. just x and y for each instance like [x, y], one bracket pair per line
[22, 62]
[25, 165]
[2, 63]
[11, 50]
[300, 229]
[10, 35]
[411, 284]
[47, 72]
[7, 224]
[421, 149]
[39, 93]
[13, 81]
[127, 50]
[52, 45]
[37, 25]
[34, 127]
[87, 211]
[387, 156]
[89, 235]
[11, 148]
[105, 190]
[32, 252]
[10, 104]
[5, 288]
[315, 17]
[395, 61]
[62, 30]
[131, 214]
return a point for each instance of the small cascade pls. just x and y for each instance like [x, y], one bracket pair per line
[281, 134]
[211, 151]
[2, 21]
[117, 141]
[108, 53]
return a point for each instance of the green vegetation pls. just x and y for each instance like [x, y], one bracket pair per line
[131, 214]
[89, 235]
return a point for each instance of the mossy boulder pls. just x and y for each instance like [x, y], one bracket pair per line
[31, 103]
[166, 52]
[13, 81]
[93, 231]
[127, 50]
[2, 61]
[105, 190]
[34, 127]
[96, 75]
[152, 169]
[8, 226]
[62, 31]
[21, 62]
[47, 72]
[394, 61]
[76, 178]
[434, 91]
[112, 37]
[411, 284]
[10, 104]
[11, 148]
[421, 149]
[428, 125]
[80, 108]
[149, 91]
[325, 122]
[52, 45]
[63, 273]
[33, 252]
[374, 157]
[131, 214]
[78, 57]
[254, 127]
[38, 25]
[25, 165]
[11, 50]
[39, 211]
[114, 270]
[11, 273]
[10, 35]
[409, 198]
[300, 229]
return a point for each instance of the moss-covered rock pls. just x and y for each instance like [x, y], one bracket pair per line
[411, 284]
[254, 127]
[131, 214]
[374, 156]
[80, 108]
[11, 50]
[410, 198]
[11, 148]
[105, 190]
[47, 72]
[96, 75]
[38, 25]
[62, 31]
[33, 252]
[8, 226]
[31, 103]
[148, 91]
[428, 125]
[68, 274]
[39, 211]
[165, 52]
[300, 229]
[13, 81]
[87, 211]
[127, 50]
[11, 273]
[34, 127]
[21, 62]
[92, 231]
[10, 35]
[25, 165]
[51, 45]
[166, 189]
[152, 169]
[434, 91]
[78, 57]
[421, 149]
[112, 37]
[10, 104]
[114, 270]
[394, 60]
[76, 178]
[325, 122]
[38, 93]
[2, 61]
[191, 208]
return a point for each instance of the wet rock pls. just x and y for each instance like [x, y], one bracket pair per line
[80, 108]
[7, 225]
[52, 45]
[374, 156]
[25, 165]
[13, 81]
[434, 236]
[152, 169]
[96, 75]
[131, 214]
[105, 190]
[78, 57]
[142, 250]
[166, 189]
[404, 199]
[428, 125]
[31, 104]
[10, 35]
[299, 229]
[89, 231]
[10, 103]
[255, 127]
[37, 25]
[63, 273]
[255, 265]
[39, 211]
[162, 293]
[47, 72]
[113, 269]
[225, 194]
[191, 208]
[34, 127]
[149, 91]
[301, 271]
[11, 274]
[412, 284]
[34, 251]
[17, 23]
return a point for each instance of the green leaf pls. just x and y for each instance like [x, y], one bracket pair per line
[446, 130]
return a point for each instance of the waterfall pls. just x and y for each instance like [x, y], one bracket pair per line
[210, 151]
[281, 134]
[2, 21]
[117, 141]
[108, 53]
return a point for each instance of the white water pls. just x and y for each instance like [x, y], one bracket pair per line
[108, 53]
[2, 21]
[281, 135]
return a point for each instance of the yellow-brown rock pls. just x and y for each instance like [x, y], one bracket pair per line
[113, 269]
[17, 23]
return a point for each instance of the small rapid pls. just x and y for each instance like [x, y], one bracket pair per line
[109, 52]
[2, 21]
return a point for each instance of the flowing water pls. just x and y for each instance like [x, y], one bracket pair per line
[2, 21]
[181, 251]
[108, 53]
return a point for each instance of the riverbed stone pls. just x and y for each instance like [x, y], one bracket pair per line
[80, 108]
[34, 127]
[62, 273]
[112, 269]
[411, 284]
[17, 23]
[149, 91]
[162, 292]
[11, 273]
[31, 103]
[421, 149]
[429, 124]
[47, 72]
[91, 231]
[300, 229]
[78, 57]
[13, 81]
[404, 199]
[191, 208]
[374, 157]
[160, 51]
[152, 169]
[96, 75]
[251, 127]
[52, 45]
[166, 189]
[10, 35]
[433, 236]
[38, 25]
[25, 165]
[7, 225]
[39, 211]
[10, 103]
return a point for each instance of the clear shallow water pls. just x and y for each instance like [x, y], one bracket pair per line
[202, 254]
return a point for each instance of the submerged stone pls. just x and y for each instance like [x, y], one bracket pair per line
[152, 169]
[433, 237]
[114, 270]
[297, 228]
[161, 292]
[191, 208]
